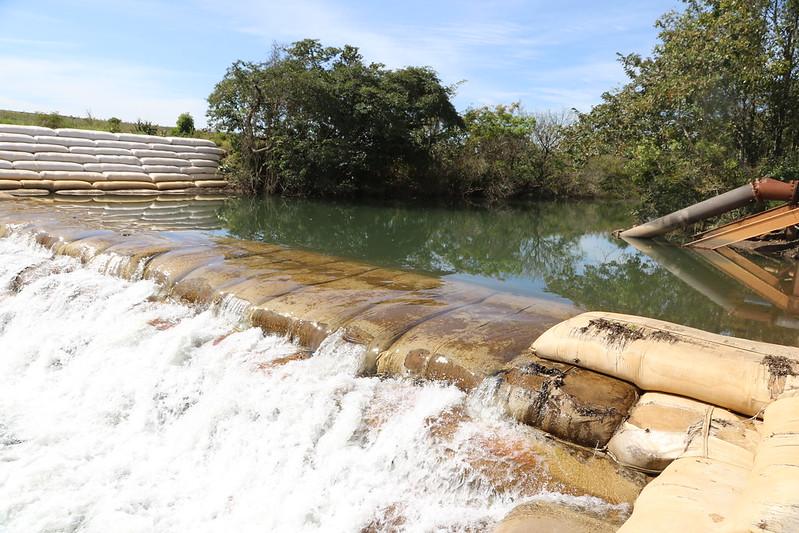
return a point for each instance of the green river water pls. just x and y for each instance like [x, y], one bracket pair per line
[559, 251]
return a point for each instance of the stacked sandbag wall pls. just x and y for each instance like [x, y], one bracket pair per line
[33, 157]
[722, 468]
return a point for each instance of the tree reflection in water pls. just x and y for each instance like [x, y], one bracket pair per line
[539, 249]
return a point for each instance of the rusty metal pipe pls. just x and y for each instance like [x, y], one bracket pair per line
[764, 189]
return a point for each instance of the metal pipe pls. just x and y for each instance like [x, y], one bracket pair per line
[765, 189]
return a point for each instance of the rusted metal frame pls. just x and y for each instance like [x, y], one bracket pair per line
[751, 267]
[753, 282]
[742, 221]
[758, 226]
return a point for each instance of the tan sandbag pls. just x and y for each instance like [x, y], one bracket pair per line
[12, 156]
[84, 134]
[63, 141]
[26, 130]
[174, 185]
[159, 177]
[211, 184]
[73, 176]
[62, 185]
[70, 157]
[37, 184]
[19, 138]
[123, 185]
[8, 185]
[127, 176]
[770, 501]
[661, 427]
[571, 403]
[465, 345]
[557, 517]
[93, 150]
[738, 374]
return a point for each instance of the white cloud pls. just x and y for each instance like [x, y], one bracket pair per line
[75, 86]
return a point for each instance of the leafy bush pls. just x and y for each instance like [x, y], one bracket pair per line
[114, 125]
[50, 120]
[145, 127]
[185, 125]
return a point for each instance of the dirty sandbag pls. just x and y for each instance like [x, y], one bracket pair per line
[571, 403]
[661, 427]
[737, 374]
[770, 501]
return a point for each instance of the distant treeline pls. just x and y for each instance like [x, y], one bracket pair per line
[714, 105]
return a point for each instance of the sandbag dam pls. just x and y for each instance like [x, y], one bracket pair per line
[160, 376]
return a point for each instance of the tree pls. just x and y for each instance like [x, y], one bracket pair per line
[318, 120]
[185, 125]
[715, 105]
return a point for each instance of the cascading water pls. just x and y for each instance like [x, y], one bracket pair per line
[123, 412]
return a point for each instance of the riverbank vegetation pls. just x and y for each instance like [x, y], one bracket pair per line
[715, 104]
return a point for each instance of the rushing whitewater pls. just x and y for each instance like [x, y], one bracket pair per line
[120, 411]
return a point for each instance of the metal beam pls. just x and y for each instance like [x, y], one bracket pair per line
[742, 221]
[754, 227]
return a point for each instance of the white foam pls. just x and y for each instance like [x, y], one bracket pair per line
[120, 413]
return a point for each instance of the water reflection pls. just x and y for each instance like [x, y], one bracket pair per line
[551, 250]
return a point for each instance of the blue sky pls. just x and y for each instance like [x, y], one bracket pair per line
[153, 59]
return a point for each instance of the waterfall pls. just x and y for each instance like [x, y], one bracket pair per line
[121, 411]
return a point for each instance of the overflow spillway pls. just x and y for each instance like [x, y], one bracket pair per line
[505, 354]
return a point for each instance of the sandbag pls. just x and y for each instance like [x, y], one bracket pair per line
[161, 169]
[72, 176]
[738, 374]
[83, 134]
[26, 130]
[138, 138]
[154, 153]
[113, 185]
[161, 146]
[168, 161]
[199, 156]
[122, 144]
[17, 174]
[159, 177]
[210, 150]
[37, 184]
[118, 159]
[6, 165]
[70, 157]
[216, 184]
[661, 427]
[61, 185]
[127, 176]
[112, 167]
[203, 163]
[187, 141]
[63, 141]
[770, 501]
[93, 150]
[8, 155]
[20, 138]
[39, 166]
[199, 171]
[8, 185]
[174, 185]
[570, 403]
[32, 147]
